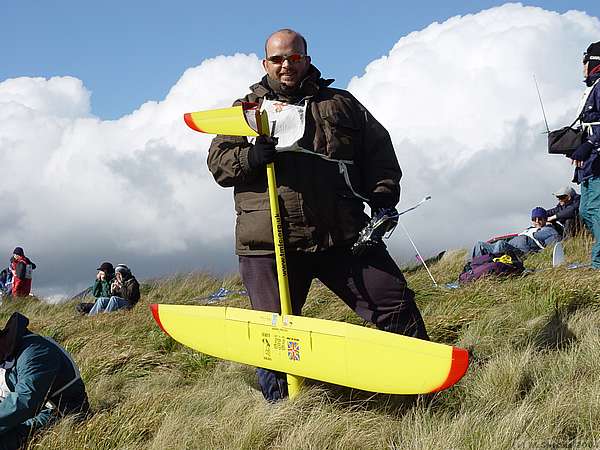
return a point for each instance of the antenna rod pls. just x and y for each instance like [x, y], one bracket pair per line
[541, 103]
[418, 253]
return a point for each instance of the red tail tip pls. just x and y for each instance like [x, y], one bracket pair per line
[190, 122]
[459, 366]
[154, 309]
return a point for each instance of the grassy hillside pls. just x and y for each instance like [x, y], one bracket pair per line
[533, 380]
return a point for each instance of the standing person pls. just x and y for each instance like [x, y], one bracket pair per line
[566, 213]
[21, 268]
[124, 291]
[343, 158]
[585, 158]
[42, 383]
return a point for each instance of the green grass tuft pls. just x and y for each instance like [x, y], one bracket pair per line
[532, 382]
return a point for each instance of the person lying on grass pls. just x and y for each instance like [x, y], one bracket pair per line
[535, 238]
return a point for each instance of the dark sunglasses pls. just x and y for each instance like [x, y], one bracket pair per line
[279, 59]
[562, 197]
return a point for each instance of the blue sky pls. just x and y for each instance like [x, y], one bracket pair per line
[133, 187]
[128, 52]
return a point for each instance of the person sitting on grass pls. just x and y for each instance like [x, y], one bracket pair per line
[535, 238]
[124, 290]
[101, 287]
[565, 215]
[41, 384]
[5, 282]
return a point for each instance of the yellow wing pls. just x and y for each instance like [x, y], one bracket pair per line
[334, 352]
[242, 120]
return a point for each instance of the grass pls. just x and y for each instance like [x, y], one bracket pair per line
[532, 382]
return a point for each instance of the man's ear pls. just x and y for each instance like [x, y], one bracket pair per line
[264, 64]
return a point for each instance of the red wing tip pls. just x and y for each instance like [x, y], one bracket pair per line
[459, 366]
[155, 314]
[190, 122]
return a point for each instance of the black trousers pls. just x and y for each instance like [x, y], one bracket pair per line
[372, 285]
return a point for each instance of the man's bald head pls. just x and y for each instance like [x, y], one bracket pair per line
[286, 60]
[287, 33]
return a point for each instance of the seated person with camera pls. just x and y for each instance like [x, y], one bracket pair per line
[124, 290]
[565, 215]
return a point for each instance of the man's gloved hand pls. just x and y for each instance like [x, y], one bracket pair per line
[263, 152]
[383, 220]
[583, 152]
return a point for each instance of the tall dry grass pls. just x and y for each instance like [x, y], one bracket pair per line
[532, 382]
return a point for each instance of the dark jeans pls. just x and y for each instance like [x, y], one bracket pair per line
[372, 285]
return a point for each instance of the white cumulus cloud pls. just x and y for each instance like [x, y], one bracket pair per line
[461, 106]
[79, 190]
[458, 99]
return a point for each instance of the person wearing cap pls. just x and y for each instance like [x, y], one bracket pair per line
[42, 383]
[585, 158]
[565, 215]
[101, 287]
[535, 238]
[124, 292]
[21, 268]
[104, 278]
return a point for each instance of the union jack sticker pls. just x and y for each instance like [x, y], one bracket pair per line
[293, 348]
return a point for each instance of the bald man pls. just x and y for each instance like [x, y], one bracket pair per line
[338, 158]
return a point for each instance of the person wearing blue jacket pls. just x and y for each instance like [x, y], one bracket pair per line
[535, 238]
[42, 382]
[585, 158]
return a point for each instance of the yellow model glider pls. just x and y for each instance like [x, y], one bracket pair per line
[334, 352]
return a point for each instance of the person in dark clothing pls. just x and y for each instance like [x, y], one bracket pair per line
[42, 383]
[21, 268]
[101, 287]
[104, 278]
[340, 158]
[585, 158]
[565, 215]
[124, 290]
[5, 282]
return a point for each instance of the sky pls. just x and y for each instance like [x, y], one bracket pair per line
[98, 164]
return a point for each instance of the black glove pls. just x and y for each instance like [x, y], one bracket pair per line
[583, 152]
[381, 200]
[383, 220]
[263, 152]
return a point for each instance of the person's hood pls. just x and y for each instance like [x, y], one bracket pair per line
[309, 86]
[11, 335]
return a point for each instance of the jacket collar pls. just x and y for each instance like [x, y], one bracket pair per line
[309, 87]
[590, 80]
